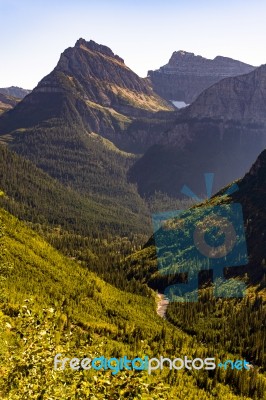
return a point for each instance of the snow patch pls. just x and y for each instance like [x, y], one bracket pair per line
[179, 104]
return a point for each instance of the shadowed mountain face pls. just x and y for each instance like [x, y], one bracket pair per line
[92, 87]
[250, 195]
[223, 131]
[187, 75]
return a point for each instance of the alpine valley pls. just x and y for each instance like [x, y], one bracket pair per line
[85, 158]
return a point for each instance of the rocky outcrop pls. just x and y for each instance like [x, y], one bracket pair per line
[187, 75]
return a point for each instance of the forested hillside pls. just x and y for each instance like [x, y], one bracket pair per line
[50, 304]
[31, 194]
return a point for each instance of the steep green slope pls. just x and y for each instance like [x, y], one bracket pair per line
[50, 305]
[97, 232]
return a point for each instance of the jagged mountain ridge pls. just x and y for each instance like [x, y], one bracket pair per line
[186, 75]
[223, 132]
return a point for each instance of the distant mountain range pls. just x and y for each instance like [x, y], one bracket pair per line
[186, 75]
[223, 132]
[7, 102]
[9, 97]
[15, 91]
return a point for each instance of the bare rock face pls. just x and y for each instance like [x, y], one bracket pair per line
[239, 98]
[187, 75]
[94, 73]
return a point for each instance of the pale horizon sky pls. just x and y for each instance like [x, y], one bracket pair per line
[143, 33]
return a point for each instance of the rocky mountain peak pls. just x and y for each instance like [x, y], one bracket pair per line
[186, 75]
[188, 63]
[88, 61]
[95, 47]
[180, 55]
[92, 86]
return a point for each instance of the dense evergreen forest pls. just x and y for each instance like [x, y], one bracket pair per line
[99, 235]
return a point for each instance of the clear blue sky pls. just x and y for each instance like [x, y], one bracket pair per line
[143, 32]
